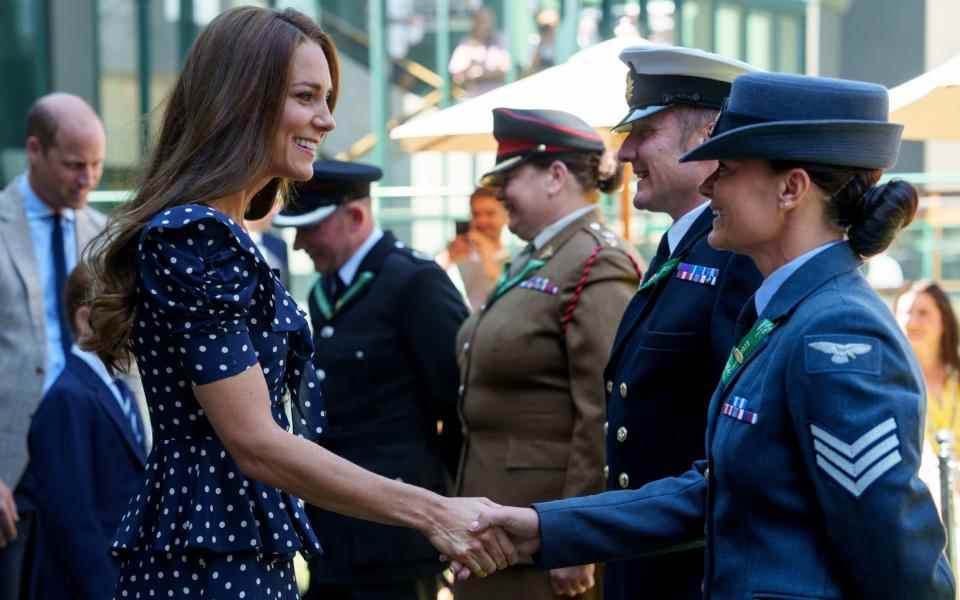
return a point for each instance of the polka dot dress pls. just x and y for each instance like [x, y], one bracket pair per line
[209, 307]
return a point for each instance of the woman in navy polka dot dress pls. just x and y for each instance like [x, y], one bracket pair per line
[182, 289]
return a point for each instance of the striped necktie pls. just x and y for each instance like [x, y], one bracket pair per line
[129, 408]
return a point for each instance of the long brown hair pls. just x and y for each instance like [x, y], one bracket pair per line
[949, 350]
[214, 141]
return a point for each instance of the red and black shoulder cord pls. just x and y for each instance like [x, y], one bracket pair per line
[584, 276]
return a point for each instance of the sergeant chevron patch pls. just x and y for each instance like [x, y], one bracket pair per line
[848, 464]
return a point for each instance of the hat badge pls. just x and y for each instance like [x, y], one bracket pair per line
[629, 95]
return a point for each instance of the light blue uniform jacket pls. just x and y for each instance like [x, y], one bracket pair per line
[810, 487]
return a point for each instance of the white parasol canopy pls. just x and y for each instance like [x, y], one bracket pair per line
[591, 85]
[929, 105]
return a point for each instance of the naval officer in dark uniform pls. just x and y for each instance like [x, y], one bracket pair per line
[385, 319]
[678, 329]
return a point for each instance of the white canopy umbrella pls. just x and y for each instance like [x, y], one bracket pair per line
[591, 85]
[929, 105]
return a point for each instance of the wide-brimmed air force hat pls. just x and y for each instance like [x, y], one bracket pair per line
[663, 76]
[775, 116]
[333, 184]
[522, 134]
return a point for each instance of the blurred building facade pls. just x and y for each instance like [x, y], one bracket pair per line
[123, 55]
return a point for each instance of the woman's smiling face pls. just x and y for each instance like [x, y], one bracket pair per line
[306, 118]
[743, 197]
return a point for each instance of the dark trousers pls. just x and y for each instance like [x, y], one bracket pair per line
[417, 589]
[13, 558]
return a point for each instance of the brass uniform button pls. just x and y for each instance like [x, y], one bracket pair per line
[606, 472]
[622, 434]
[609, 387]
[624, 480]
[623, 390]
[738, 355]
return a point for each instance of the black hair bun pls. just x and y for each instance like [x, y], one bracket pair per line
[878, 214]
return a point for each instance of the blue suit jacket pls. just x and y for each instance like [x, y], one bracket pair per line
[810, 486]
[671, 346]
[84, 467]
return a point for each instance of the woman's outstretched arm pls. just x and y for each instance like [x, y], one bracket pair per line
[239, 409]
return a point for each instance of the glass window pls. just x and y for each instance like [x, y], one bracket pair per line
[759, 36]
[119, 87]
[695, 24]
[912, 248]
[307, 7]
[25, 71]
[790, 42]
[728, 30]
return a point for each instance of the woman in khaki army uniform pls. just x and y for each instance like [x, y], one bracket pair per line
[531, 358]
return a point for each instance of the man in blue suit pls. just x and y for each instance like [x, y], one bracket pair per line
[677, 331]
[87, 460]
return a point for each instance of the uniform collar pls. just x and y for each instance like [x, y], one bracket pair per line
[349, 269]
[541, 239]
[776, 279]
[682, 225]
[35, 207]
[828, 262]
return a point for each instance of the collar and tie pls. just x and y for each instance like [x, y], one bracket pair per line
[129, 408]
[333, 287]
[746, 319]
[521, 260]
[662, 255]
[58, 252]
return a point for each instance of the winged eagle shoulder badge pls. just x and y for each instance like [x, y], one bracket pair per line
[841, 353]
[837, 352]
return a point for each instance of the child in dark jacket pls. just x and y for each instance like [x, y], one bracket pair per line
[87, 459]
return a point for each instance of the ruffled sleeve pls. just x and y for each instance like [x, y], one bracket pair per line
[201, 283]
[209, 308]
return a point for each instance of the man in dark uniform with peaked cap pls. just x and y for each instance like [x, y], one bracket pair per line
[677, 331]
[385, 320]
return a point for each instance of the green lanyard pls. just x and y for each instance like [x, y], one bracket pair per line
[742, 352]
[504, 284]
[362, 280]
[665, 270]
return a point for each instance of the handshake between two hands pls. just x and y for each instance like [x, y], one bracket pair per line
[479, 536]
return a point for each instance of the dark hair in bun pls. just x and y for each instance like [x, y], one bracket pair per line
[871, 214]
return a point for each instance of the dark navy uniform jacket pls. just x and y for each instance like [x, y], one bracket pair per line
[388, 373]
[666, 361]
[810, 488]
[85, 465]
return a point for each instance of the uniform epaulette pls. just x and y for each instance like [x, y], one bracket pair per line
[415, 255]
[606, 238]
[602, 234]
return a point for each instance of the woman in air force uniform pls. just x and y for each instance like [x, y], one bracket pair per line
[809, 489]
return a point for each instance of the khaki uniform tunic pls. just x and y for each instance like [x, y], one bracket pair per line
[532, 400]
